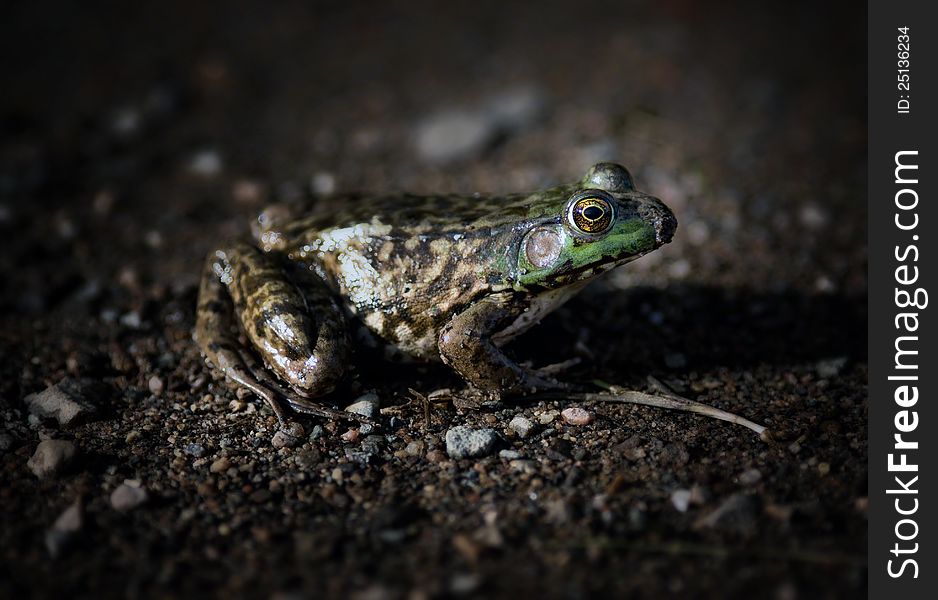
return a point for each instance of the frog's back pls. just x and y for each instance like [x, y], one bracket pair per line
[411, 213]
[404, 264]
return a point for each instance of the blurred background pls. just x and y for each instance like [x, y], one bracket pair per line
[137, 136]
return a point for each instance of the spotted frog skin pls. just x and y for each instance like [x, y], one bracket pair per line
[433, 278]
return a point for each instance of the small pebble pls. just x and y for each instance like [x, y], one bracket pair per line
[366, 406]
[322, 183]
[522, 426]
[436, 456]
[679, 269]
[522, 465]
[462, 584]
[288, 436]
[750, 476]
[308, 459]
[681, 499]
[128, 496]
[466, 442]
[196, 450]
[351, 435]
[548, 417]
[156, 385]
[64, 529]
[56, 402]
[454, 135]
[517, 108]
[221, 465]
[415, 448]
[510, 454]
[373, 444]
[205, 163]
[51, 458]
[830, 367]
[282, 440]
[577, 416]
[247, 191]
[812, 216]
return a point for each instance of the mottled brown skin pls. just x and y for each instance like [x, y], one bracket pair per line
[448, 278]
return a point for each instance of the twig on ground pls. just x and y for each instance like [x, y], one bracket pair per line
[669, 400]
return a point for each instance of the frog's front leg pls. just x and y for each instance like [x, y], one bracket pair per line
[289, 317]
[466, 345]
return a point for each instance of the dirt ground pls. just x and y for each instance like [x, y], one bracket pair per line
[138, 135]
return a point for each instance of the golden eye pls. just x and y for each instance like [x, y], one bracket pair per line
[590, 213]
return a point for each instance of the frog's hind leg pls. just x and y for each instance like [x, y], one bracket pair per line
[290, 317]
[216, 320]
[213, 334]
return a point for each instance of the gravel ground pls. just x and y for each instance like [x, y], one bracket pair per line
[137, 136]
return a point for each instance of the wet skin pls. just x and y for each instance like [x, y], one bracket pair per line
[430, 278]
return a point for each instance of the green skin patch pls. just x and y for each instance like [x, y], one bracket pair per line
[628, 239]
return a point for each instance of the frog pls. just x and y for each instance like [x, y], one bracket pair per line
[434, 278]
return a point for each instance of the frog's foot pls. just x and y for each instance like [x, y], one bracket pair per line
[229, 360]
[294, 400]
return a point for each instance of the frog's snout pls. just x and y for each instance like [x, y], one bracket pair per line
[665, 225]
[656, 213]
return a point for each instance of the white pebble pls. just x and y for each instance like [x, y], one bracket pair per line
[156, 385]
[366, 406]
[750, 476]
[63, 530]
[51, 458]
[323, 183]
[510, 454]
[55, 402]
[522, 426]
[206, 163]
[453, 135]
[128, 496]
[465, 442]
[681, 499]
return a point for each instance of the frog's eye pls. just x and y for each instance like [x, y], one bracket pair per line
[591, 212]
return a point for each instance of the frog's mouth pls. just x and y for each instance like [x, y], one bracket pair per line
[591, 270]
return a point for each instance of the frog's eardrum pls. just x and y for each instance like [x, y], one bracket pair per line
[542, 246]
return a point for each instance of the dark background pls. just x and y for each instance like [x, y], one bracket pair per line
[136, 136]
